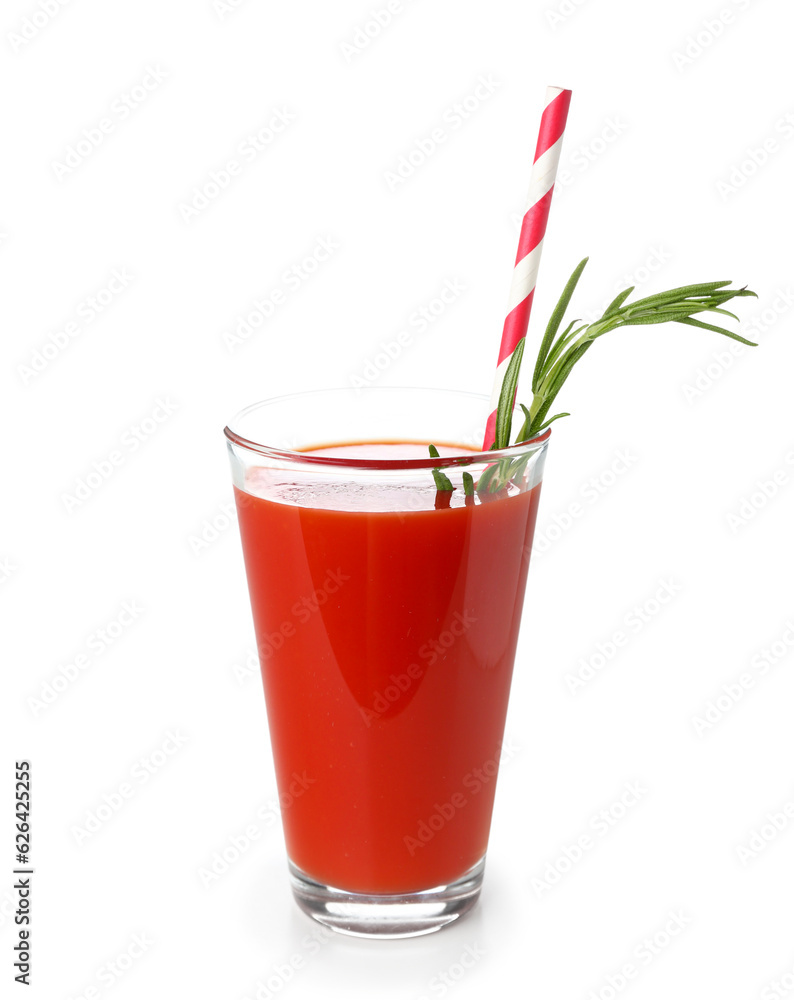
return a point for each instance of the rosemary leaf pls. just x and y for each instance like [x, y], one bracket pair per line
[443, 485]
[504, 411]
[556, 319]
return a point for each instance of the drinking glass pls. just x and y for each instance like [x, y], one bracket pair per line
[387, 614]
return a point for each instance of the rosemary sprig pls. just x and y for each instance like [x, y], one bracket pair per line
[504, 410]
[559, 353]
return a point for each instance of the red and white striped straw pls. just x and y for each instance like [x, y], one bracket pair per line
[530, 242]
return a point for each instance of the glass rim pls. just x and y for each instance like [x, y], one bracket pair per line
[286, 455]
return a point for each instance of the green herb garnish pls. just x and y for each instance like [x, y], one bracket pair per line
[443, 485]
[559, 352]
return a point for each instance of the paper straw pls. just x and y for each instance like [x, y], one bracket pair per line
[530, 242]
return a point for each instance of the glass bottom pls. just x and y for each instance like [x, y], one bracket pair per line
[380, 916]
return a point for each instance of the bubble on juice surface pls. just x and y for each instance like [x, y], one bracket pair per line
[307, 490]
[351, 489]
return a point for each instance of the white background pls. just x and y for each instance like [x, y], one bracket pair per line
[661, 189]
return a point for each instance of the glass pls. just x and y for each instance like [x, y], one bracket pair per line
[386, 616]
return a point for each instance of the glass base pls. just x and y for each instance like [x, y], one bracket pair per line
[399, 916]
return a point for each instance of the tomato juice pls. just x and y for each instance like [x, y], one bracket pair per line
[387, 630]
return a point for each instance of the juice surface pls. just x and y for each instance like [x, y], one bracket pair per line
[386, 638]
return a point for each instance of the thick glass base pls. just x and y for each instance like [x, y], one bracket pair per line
[399, 916]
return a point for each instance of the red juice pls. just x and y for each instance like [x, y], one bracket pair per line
[386, 640]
